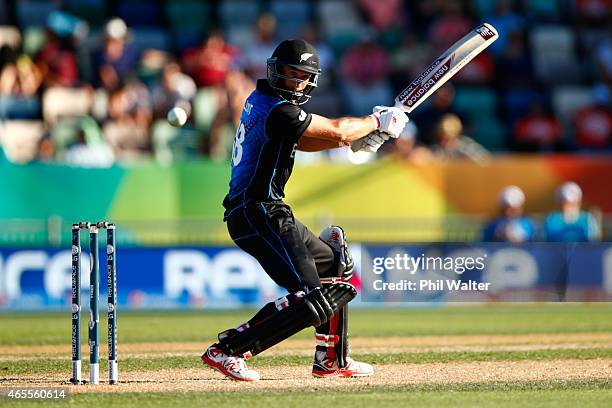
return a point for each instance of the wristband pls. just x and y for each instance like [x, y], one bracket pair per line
[376, 121]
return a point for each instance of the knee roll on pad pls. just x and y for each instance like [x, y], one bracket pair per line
[314, 309]
[335, 237]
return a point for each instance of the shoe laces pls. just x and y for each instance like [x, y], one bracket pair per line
[235, 363]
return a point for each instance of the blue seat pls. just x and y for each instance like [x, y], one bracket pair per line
[340, 41]
[140, 13]
[185, 38]
[33, 12]
[489, 132]
[190, 21]
[516, 102]
[238, 12]
[13, 107]
[95, 12]
[4, 14]
[295, 9]
[155, 38]
[291, 17]
[548, 10]
[290, 29]
[475, 101]
[188, 14]
[484, 8]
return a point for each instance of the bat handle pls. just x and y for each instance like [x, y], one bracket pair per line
[401, 106]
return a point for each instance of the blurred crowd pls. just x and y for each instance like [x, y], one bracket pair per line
[570, 223]
[90, 82]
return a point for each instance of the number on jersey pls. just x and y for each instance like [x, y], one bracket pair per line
[237, 148]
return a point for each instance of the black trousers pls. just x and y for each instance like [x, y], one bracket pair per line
[288, 251]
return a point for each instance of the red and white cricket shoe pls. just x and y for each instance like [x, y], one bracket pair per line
[328, 367]
[230, 366]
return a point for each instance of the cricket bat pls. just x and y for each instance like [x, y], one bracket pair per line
[444, 67]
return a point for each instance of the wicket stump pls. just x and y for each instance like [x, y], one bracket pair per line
[94, 300]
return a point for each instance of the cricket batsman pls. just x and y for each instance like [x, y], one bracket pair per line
[315, 271]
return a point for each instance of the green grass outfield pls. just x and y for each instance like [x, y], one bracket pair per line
[29, 331]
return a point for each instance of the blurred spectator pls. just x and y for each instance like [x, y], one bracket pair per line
[209, 63]
[212, 65]
[20, 139]
[130, 116]
[19, 76]
[116, 62]
[451, 143]
[593, 11]
[370, 72]
[365, 71]
[77, 140]
[325, 53]
[481, 70]
[423, 13]
[86, 153]
[83, 155]
[174, 88]
[239, 86]
[263, 45]
[428, 117]
[593, 124]
[514, 66]
[58, 61]
[538, 130]
[406, 146]
[507, 21]
[382, 14]
[603, 60]
[409, 60]
[570, 224]
[450, 26]
[510, 225]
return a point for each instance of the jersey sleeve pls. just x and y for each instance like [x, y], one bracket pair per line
[287, 121]
[488, 232]
[593, 233]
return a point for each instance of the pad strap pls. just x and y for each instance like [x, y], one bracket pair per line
[335, 279]
[326, 340]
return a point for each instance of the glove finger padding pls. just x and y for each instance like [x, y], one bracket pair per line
[359, 144]
[386, 136]
[370, 143]
[376, 137]
[372, 146]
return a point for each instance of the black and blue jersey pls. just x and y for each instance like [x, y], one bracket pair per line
[258, 221]
[264, 147]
